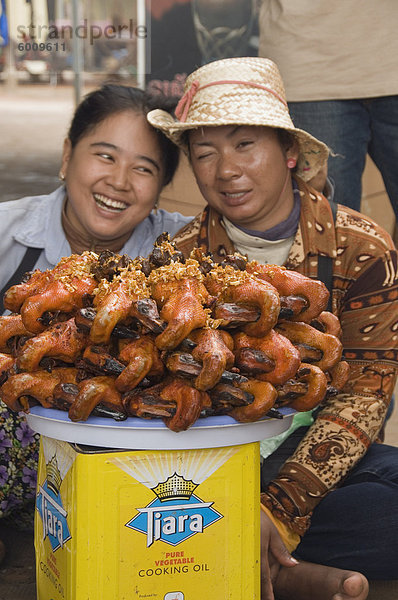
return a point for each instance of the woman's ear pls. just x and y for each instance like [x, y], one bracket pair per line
[66, 154]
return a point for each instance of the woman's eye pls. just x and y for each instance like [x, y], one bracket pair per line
[245, 143]
[144, 170]
[205, 155]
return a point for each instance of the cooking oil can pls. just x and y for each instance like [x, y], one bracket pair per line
[156, 524]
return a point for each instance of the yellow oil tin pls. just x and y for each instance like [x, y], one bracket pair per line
[157, 524]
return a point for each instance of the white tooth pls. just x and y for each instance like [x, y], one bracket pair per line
[109, 202]
[234, 195]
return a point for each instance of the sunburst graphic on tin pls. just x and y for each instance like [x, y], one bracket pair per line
[176, 513]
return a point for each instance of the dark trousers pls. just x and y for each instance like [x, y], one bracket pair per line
[355, 527]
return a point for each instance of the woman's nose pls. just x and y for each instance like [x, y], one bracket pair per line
[228, 167]
[118, 177]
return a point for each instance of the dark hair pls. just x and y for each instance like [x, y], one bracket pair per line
[286, 138]
[111, 99]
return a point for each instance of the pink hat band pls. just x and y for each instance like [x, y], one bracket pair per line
[183, 106]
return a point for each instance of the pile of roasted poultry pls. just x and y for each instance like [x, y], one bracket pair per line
[169, 338]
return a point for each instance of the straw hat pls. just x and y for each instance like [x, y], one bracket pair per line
[239, 91]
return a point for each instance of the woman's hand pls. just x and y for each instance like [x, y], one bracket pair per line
[273, 556]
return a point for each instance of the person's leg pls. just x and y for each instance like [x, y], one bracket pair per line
[309, 579]
[383, 147]
[343, 125]
[354, 527]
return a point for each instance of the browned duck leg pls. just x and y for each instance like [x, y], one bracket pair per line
[148, 404]
[257, 355]
[7, 367]
[99, 360]
[11, 326]
[85, 317]
[264, 399]
[306, 337]
[190, 403]
[315, 387]
[214, 351]
[226, 397]
[142, 359]
[61, 341]
[183, 364]
[15, 392]
[92, 392]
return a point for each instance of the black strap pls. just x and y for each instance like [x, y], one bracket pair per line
[27, 263]
[325, 263]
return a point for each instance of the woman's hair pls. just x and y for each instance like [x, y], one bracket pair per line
[111, 99]
[286, 138]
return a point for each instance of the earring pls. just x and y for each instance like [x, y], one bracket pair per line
[156, 206]
[61, 176]
[291, 163]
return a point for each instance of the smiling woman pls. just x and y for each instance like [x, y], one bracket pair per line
[254, 169]
[114, 166]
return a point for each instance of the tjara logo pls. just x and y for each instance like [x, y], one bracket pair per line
[53, 515]
[168, 519]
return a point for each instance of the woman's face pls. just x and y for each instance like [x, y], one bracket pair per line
[114, 175]
[242, 173]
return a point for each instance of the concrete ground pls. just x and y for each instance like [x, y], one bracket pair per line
[33, 123]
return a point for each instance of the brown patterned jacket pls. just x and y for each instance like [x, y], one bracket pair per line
[365, 298]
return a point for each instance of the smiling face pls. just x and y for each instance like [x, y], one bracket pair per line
[242, 173]
[113, 175]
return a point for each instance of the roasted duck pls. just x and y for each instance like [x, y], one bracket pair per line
[164, 337]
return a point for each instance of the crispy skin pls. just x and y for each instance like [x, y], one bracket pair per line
[63, 289]
[338, 375]
[275, 359]
[147, 403]
[190, 403]
[316, 383]
[183, 311]
[55, 297]
[306, 337]
[142, 359]
[113, 303]
[16, 295]
[7, 367]
[62, 341]
[253, 292]
[92, 392]
[38, 385]
[292, 283]
[214, 351]
[11, 326]
[113, 309]
[327, 322]
[264, 399]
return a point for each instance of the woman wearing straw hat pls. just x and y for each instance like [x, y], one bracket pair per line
[252, 165]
